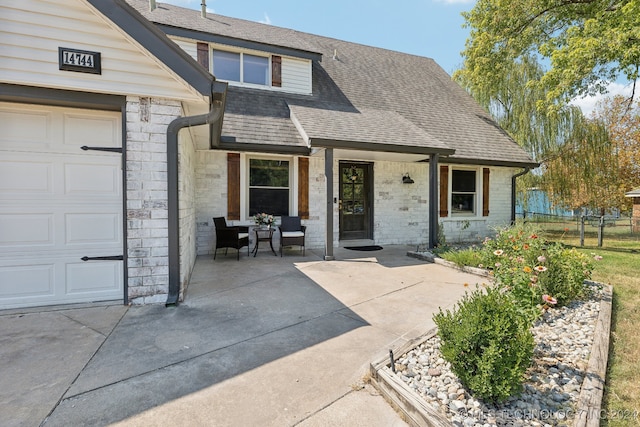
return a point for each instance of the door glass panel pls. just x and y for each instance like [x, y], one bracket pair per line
[347, 191]
[359, 191]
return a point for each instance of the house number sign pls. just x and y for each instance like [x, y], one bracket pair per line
[82, 61]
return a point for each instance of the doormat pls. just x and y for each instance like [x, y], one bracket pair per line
[364, 248]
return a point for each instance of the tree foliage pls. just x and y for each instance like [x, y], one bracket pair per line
[587, 43]
[577, 167]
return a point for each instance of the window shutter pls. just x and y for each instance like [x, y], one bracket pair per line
[233, 186]
[303, 187]
[276, 71]
[485, 191]
[203, 55]
[444, 191]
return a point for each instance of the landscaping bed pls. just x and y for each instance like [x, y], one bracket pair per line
[562, 368]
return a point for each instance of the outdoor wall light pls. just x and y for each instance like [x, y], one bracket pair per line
[406, 179]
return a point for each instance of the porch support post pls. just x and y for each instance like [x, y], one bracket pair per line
[433, 200]
[328, 173]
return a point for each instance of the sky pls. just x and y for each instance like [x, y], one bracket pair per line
[431, 28]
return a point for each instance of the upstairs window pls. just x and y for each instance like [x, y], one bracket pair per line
[269, 188]
[241, 67]
[463, 192]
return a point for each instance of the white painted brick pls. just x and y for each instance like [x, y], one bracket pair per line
[147, 198]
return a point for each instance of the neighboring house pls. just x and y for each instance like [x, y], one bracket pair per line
[635, 214]
[365, 144]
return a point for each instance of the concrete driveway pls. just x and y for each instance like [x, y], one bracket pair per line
[264, 341]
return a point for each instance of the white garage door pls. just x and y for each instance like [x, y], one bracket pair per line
[58, 204]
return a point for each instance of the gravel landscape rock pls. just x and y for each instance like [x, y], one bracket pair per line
[563, 337]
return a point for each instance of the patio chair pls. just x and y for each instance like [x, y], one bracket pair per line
[230, 237]
[292, 232]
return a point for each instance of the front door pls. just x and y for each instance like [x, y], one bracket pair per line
[355, 201]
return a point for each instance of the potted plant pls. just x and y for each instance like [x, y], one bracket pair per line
[263, 220]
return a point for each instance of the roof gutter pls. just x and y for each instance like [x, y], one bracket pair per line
[513, 193]
[213, 117]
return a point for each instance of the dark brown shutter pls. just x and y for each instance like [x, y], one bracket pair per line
[444, 191]
[303, 187]
[276, 71]
[485, 191]
[233, 186]
[203, 55]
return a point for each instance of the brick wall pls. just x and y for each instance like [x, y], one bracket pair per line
[146, 184]
[210, 196]
[187, 203]
[401, 211]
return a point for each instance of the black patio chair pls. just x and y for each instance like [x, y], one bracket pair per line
[292, 232]
[230, 237]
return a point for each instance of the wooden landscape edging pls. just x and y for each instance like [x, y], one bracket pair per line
[417, 412]
[589, 408]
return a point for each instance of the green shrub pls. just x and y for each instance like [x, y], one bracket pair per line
[488, 343]
[463, 257]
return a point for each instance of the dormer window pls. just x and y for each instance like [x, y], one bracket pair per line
[252, 68]
[241, 67]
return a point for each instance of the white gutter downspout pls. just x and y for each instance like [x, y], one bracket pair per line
[214, 114]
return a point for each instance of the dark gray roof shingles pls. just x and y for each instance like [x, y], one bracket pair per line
[361, 78]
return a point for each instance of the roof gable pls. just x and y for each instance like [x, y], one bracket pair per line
[156, 43]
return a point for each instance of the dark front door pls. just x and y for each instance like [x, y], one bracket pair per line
[355, 201]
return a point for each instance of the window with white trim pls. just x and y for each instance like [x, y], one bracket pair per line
[241, 67]
[269, 186]
[464, 188]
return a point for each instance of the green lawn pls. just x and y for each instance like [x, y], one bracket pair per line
[621, 268]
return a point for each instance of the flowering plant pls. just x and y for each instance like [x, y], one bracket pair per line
[263, 219]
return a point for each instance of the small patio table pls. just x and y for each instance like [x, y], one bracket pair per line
[263, 235]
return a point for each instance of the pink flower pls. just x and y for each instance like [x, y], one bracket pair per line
[597, 258]
[498, 265]
[542, 258]
[540, 268]
[548, 299]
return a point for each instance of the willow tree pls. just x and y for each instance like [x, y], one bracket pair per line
[587, 43]
[583, 44]
[550, 136]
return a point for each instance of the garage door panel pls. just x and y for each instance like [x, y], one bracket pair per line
[21, 176]
[20, 126]
[93, 229]
[26, 281]
[99, 277]
[92, 179]
[58, 204]
[26, 229]
[91, 130]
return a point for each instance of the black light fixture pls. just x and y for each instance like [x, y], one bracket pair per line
[406, 179]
